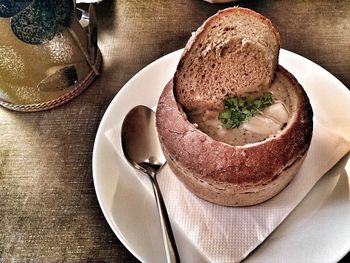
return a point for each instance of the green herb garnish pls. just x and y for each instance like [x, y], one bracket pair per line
[240, 109]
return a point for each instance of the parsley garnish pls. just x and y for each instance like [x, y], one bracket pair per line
[240, 109]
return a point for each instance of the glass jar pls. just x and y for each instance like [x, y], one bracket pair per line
[46, 56]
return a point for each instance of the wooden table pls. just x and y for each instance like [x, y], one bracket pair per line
[48, 207]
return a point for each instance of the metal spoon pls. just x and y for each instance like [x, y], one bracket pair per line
[142, 149]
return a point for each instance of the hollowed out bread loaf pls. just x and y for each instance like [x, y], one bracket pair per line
[235, 175]
[233, 52]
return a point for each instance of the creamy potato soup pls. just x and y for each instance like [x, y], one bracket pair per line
[268, 122]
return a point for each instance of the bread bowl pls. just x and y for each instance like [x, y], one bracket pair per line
[228, 172]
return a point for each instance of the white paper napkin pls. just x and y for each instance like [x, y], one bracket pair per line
[229, 234]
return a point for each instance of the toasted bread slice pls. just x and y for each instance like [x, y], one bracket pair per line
[232, 53]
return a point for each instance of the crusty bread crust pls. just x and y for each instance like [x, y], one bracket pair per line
[244, 54]
[236, 195]
[234, 175]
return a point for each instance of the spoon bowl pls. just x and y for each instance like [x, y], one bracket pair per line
[140, 140]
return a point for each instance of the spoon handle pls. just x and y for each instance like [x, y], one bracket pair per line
[171, 252]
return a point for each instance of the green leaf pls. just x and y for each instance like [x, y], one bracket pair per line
[226, 114]
[240, 109]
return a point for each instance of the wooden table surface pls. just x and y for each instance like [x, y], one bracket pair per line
[48, 206]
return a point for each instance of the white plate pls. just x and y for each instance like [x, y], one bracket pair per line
[317, 230]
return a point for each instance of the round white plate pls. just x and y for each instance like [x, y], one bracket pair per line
[321, 236]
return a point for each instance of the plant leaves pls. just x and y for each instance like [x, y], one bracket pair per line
[240, 109]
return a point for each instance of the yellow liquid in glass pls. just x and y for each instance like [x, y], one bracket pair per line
[26, 70]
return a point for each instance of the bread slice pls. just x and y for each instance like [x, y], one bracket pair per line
[235, 175]
[232, 53]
